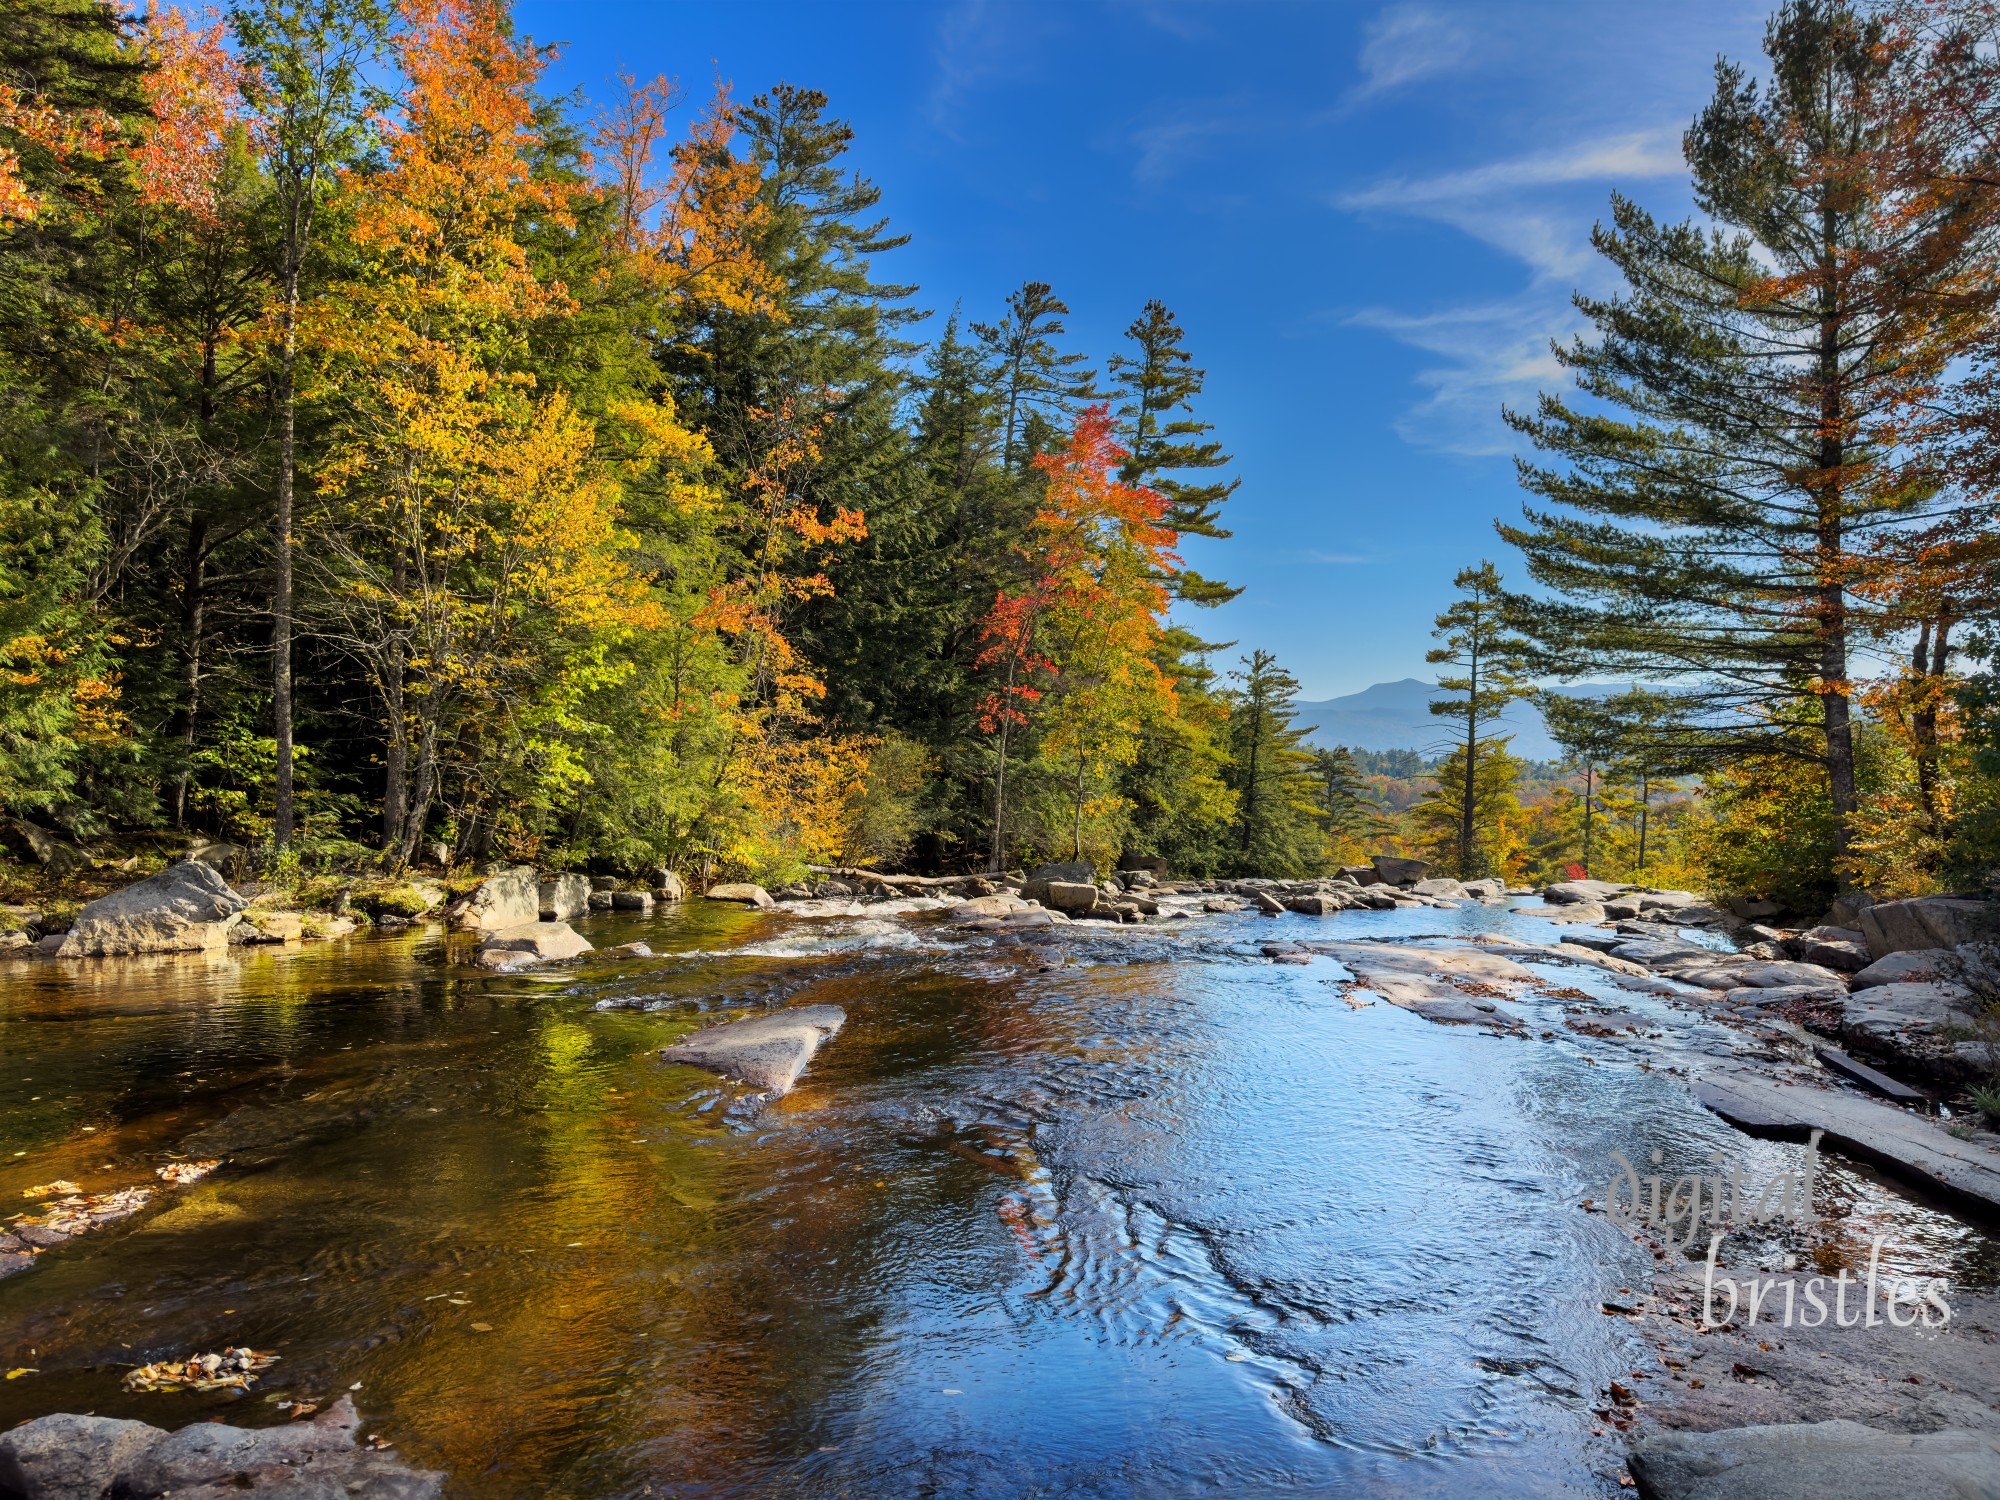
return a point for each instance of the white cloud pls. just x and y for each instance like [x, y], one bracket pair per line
[1407, 42]
[979, 42]
[1496, 353]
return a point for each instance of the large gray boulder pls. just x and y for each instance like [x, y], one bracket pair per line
[1571, 892]
[1770, 972]
[1071, 871]
[508, 899]
[1395, 871]
[531, 942]
[56, 855]
[765, 1052]
[667, 886]
[1925, 922]
[1911, 966]
[1838, 1460]
[1442, 887]
[1884, 1013]
[564, 897]
[65, 1457]
[186, 908]
[1074, 898]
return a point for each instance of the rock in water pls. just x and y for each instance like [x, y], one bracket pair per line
[746, 894]
[509, 899]
[1394, 871]
[186, 908]
[564, 897]
[531, 942]
[766, 1052]
[66, 1457]
[1071, 872]
[667, 885]
[1837, 1460]
[1076, 897]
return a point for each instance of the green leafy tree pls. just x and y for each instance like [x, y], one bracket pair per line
[1488, 782]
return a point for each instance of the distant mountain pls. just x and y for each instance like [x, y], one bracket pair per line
[1397, 716]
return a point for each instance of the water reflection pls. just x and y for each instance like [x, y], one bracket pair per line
[1120, 1213]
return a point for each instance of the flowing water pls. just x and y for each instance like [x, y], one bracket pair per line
[1095, 1212]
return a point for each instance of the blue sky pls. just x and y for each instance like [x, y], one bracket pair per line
[1368, 217]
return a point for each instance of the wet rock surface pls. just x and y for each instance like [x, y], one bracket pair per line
[68, 1457]
[1837, 1460]
[186, 907]
[766, 1052]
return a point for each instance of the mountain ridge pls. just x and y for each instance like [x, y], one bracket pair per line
[1396, 716]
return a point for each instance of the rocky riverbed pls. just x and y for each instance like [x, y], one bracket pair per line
[457, 1170]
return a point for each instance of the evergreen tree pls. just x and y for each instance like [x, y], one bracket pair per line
[1033, 381]
[1277, 820]
[1477, 642]
[1347, 810]
[1487, 781]
[1707, 527]
[1156, 386]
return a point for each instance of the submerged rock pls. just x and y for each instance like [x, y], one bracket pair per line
[67, 1457]
[1836, 1460]
[766, 1052]
[186, 908]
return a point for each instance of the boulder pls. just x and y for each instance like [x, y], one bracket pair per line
[667, 886]
[1846, 910]
[766, 1052]
[605, 883]
[1395, 871]
[1622, 908]
[186, 908]
[1665, 900]
[438, 855]
[1752, 998]
[1764, 974]
[530, 942]
[1441, 888]
[1267, 903]
[233, 860]
[55, 854]
[65, 1457]
[1072, 872]
[1148, 864]
[1359, 874]
[1317, 906]
[1837, 1460]
[1925, 922]
[1882, 1013]
[1074, 897]
[1573, 892]
[742, 893]
[564, 897]
[508, 899]
[1755, 908]
[632, 901]
[270, 927]
[1831, 948]
[1912, 965]
[1655, 954]
[981, 907]
[1492, 888]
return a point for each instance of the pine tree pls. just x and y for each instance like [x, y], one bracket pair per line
[1708, 527]
[1347, 811]
[1153, 384]
[1477, 642]
[1487, 783]
[1277, 821]
[1032, 379]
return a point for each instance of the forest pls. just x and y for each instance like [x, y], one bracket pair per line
[401, 463]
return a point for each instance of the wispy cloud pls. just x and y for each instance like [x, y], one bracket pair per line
[1335, 558]
[1407, 42]
[979, 42]
[1189, 136]
[1496, 352]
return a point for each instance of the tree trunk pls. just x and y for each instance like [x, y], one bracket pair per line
[1829, 559]
[425, 788]
[1645, 812]
[396, 746]
[1076, 840]
[998, 847]
[281, 603]
[194, 568]
[1589, 797]
[1465, 870]
[1931, 657]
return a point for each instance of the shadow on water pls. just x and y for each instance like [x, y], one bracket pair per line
[1121, 1213]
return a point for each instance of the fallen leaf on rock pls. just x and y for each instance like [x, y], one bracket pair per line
[1357, 1004]
[1745, 1372]
[1622, 1396]
[180, 1172]
[482, 1327]
[24, 1370]
[232, 1369]
[50, 1189]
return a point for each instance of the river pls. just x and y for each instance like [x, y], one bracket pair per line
[1097, 1212]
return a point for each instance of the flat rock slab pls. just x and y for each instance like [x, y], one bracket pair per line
[1656, 954]
[1836, 1460]
[1916, 966]
[1882, 1012]
[765, 1052]
[1908, 1145]
[1381, 959]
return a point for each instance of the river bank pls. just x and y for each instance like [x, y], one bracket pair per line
[1046, 1187]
